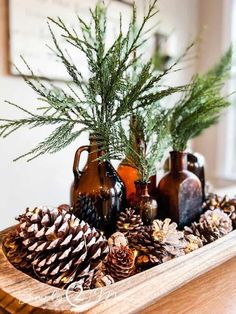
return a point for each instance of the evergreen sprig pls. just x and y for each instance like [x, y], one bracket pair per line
[110, 94]
[201, 104]
[143, 144]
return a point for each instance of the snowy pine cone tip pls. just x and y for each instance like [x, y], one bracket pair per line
[61, 248]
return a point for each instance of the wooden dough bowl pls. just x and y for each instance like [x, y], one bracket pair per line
[21, 294]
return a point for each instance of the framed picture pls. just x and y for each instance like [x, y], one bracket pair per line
[30, 36]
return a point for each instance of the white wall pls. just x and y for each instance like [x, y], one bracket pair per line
[215, 27]
[47, 179]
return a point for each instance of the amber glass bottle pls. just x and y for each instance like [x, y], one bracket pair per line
[100, 182]
[128, 173]
[179, 192]
[144, 204]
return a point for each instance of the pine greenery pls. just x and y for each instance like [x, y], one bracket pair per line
[201, 104]
[111, 93]
[144, 143]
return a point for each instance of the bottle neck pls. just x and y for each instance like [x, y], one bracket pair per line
[95, 150]
[141, 189]
[178, 161]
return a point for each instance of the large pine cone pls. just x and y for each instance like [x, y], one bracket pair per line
[161, 240]
[85, 210]
[120, 262]
[213, 224]
[15, 250]
[62, 248]
[129, 223]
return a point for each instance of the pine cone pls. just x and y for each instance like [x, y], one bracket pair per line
[213, 224]
[120, 262]
[15, 251]
[146, 261]
[62, 248]
[103, 280]
[229, 208]
[129, 223]
[117, 239]
[193, 243]
[214, 201]
[162, 240]
[85, 210]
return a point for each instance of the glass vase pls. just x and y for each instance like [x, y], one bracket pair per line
[99, 182]
[144, 204]
[180, 192]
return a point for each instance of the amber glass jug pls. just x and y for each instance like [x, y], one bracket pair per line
[144, 204]
[180, 192]
[99, 182]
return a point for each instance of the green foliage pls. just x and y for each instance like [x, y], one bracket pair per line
[142, 144]
[111, 93]
[200, 105]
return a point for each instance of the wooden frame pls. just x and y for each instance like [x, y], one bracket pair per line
[29, 34]
[23, 294]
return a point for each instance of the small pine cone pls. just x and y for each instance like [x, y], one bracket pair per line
[85, 210]
[61, 248]
[161, 240]
[15, 251]
[214, 201]
[213, 224]
[102, 280]
[129, 223]
[146, 261]
[120, 262]
[117, 239]
[230, 209]
[193, 243]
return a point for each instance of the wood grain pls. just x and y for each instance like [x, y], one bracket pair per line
[213, 292]
[22, 294]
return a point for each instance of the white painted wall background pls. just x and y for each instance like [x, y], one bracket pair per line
[47, 179]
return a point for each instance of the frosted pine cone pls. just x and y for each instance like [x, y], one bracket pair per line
[117, 239]
[62, 248]
[162, 240]
[193, 243]
[229, 208]
[213, 224]
[129, 223]
[120, 262]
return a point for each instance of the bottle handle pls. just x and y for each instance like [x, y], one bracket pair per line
[76, 171]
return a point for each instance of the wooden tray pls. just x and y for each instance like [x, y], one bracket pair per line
[22, 294]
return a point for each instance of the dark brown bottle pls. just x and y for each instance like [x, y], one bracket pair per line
[100, 182]
[144, 204]
[180, 192]
[196, 164]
